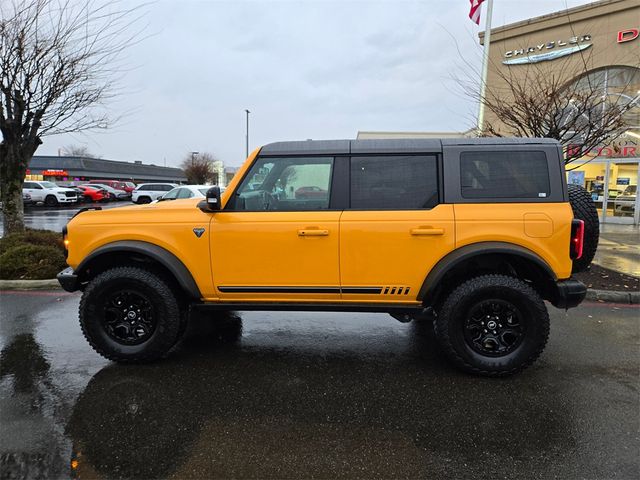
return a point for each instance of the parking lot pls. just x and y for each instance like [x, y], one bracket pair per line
[54, 218]
[314, 395]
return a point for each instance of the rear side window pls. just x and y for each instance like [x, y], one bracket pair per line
[504, 175]
[394, 182]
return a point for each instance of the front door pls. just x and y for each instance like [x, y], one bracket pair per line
[395, 230]
[277, 238]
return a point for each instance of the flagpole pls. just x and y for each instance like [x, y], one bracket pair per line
[485, 67]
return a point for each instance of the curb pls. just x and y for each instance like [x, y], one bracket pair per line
[51, 284]
[608, 296]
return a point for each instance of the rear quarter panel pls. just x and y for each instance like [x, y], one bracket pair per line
[543, 228]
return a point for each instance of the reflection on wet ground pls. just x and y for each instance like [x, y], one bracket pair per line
[54, 218]
[290, 395]
[619, 249]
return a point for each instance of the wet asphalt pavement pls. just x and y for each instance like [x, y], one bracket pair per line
[314, 395]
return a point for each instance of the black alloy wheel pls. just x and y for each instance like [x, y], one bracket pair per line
[492, 325]
[51, 201]
[130, 315]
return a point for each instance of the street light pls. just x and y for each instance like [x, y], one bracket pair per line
[193, 156]
[247, 136]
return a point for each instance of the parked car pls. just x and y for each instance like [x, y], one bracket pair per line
[187, 191]
[93, 193]
[482, 234]
[148, 192]
[49, 193]
[310, 192]
[117, 184]
[625, 203]
[114, 194]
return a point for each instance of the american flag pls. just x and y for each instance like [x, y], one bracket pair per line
[474, 13]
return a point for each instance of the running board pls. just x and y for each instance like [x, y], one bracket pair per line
[310, 307]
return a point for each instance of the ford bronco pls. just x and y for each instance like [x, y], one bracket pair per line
[474, 234]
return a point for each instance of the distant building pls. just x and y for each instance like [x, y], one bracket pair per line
[71, 169]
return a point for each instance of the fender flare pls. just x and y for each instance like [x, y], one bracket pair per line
[463, 254]
[164, 257]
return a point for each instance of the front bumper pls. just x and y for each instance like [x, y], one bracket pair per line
[568, 293]
[68, 280]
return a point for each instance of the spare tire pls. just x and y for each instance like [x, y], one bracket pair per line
[584, 209]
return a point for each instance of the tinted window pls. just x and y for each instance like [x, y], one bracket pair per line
[172, 194]
[286, 184]
[185, 193]
[504, 175]
[394, 182]
[165, 188]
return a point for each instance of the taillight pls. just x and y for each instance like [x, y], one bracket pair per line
[577, 239]
[65, 241]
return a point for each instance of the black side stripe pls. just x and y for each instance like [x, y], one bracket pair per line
[360, 290]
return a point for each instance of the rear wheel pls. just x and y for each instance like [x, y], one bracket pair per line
[584, 209]
[51, 201]
[144, 200]
[130, 315]
[493, 325]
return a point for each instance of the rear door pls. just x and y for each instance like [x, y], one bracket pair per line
[395, 229]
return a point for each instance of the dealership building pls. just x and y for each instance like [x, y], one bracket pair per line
[71, 170]
[591, 46]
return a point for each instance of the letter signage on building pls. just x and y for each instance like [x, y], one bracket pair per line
[546, 51]
[628, 35]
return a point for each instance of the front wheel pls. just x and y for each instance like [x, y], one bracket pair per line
[493, 325]
[130, 315]
[51, 201]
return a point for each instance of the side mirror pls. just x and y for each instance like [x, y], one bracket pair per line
[212, 201]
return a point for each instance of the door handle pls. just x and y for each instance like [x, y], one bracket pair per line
[312, 232]
[427, 231]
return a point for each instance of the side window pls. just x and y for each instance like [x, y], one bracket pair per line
[37, 186]
[394, 182]
[488, 174]
[27, 185]
[143, 188]
[172, 194]
[285, 184]
[166, 188]
[184, 193]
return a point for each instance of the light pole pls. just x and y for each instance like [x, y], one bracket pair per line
[193, 157]
[247, 136]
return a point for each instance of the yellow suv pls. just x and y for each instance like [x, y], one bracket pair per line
[475, 232]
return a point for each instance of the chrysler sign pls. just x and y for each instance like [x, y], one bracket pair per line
[547, 51]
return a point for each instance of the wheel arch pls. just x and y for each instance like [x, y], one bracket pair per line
[117, 253]
[487, 257]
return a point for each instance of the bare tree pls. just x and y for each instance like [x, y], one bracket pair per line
[78, 151]
[58, 66]
[200, 169]
[568, 102]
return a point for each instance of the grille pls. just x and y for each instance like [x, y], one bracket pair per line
[69, 194]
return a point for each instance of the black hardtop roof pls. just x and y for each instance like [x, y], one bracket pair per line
[392, 145]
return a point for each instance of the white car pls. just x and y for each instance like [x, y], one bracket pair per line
[188, 191]
[49, 193]
[148, 192]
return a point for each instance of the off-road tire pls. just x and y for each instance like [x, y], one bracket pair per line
[585, 209]
[449, 325]
[169, 320]
[51, 201]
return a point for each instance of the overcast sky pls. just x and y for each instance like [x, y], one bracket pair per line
[306, 69]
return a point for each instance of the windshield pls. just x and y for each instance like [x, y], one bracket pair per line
[48, 184]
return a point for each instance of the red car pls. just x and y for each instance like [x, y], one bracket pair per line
[117, 184]
[92, 194]
[311, 192]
